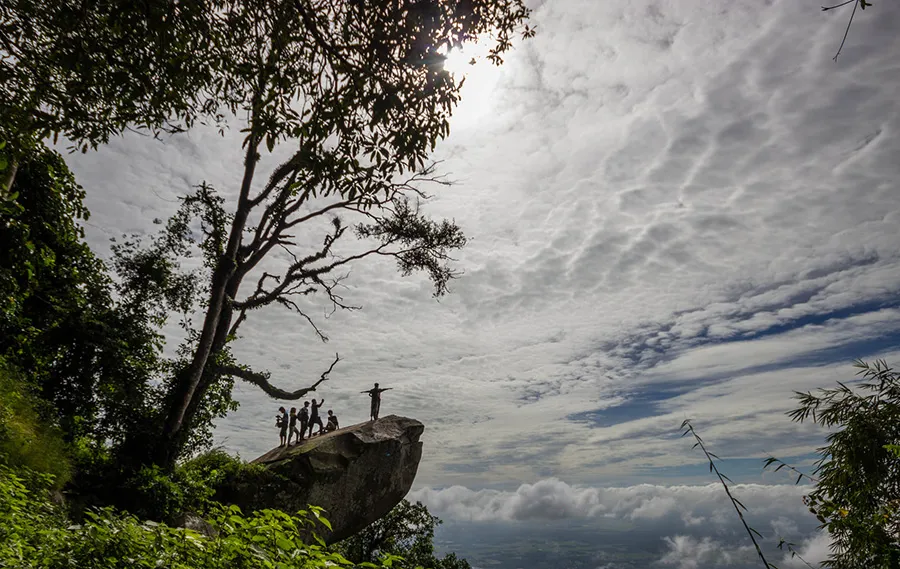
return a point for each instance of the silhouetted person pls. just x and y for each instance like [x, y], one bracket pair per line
[281, 421]
[332, 422]
[375, 394]
[292, 429]
[303, 417]
[314, 418]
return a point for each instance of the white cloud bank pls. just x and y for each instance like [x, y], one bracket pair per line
[552, 499]
[695, 526]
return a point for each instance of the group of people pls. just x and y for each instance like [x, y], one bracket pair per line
[308, 417]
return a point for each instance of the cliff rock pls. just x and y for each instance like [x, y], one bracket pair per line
[358, 474]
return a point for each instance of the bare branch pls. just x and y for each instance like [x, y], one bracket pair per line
[856, 4]
[272, 237]
[237, 323]
[261, 380]
[826, 8]
[291, 305]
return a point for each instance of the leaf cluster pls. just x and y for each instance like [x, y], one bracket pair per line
[35, 534]
[857, 491]
[856, 480]
[91, 69]
[25, 439]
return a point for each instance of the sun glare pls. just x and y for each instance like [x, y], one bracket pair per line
[470, 62]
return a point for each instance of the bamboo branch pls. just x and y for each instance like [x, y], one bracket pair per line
[738, 506]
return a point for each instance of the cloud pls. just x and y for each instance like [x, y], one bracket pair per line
[552, 499]
[686, 552]
[812, 551]
[687, 527]
[675, 210]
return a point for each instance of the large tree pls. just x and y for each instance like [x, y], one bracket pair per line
[357, 88]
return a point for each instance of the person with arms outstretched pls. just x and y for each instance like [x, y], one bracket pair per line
[375, 394]
[314, 418]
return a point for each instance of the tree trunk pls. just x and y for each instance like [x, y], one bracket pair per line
[184, 392]
[209, 376]
[8, 178]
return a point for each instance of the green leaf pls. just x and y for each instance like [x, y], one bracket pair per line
[284, 543]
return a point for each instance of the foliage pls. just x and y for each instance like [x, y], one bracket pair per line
[26, 440]
[88, 347]
[59, 324]
[152, 284]
[857, 473]
[154, 493]
[407, 531]
[35, 534]
[83, 69]
[87, 343]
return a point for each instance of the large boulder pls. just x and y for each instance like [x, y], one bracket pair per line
[358, 474]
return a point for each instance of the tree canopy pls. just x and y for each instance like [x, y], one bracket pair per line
[407, 532]
[356, 88]
[89, 356]
[358, 92]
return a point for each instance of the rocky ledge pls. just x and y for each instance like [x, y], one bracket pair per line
[358, 474]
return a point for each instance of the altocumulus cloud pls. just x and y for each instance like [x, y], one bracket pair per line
[675, 209]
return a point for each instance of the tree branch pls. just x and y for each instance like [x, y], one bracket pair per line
[856, 4]
[261, 380]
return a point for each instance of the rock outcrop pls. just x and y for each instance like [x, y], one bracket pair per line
[358, 474]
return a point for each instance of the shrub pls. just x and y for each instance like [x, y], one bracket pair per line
[34, 534]
[27, 439]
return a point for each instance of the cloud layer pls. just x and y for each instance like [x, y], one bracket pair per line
[675, 210]
[687, 527]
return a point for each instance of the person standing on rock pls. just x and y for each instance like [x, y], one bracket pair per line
[281, 421]
[292, 428]
[314, 418]
[303, 417]
[375, 394]
[332, 422]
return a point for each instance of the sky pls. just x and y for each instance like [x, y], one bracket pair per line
[675, 209]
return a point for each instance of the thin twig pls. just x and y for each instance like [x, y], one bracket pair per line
[781, 464]
[790, 547]
[689, 429]
[826, 8]
[847, 31]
